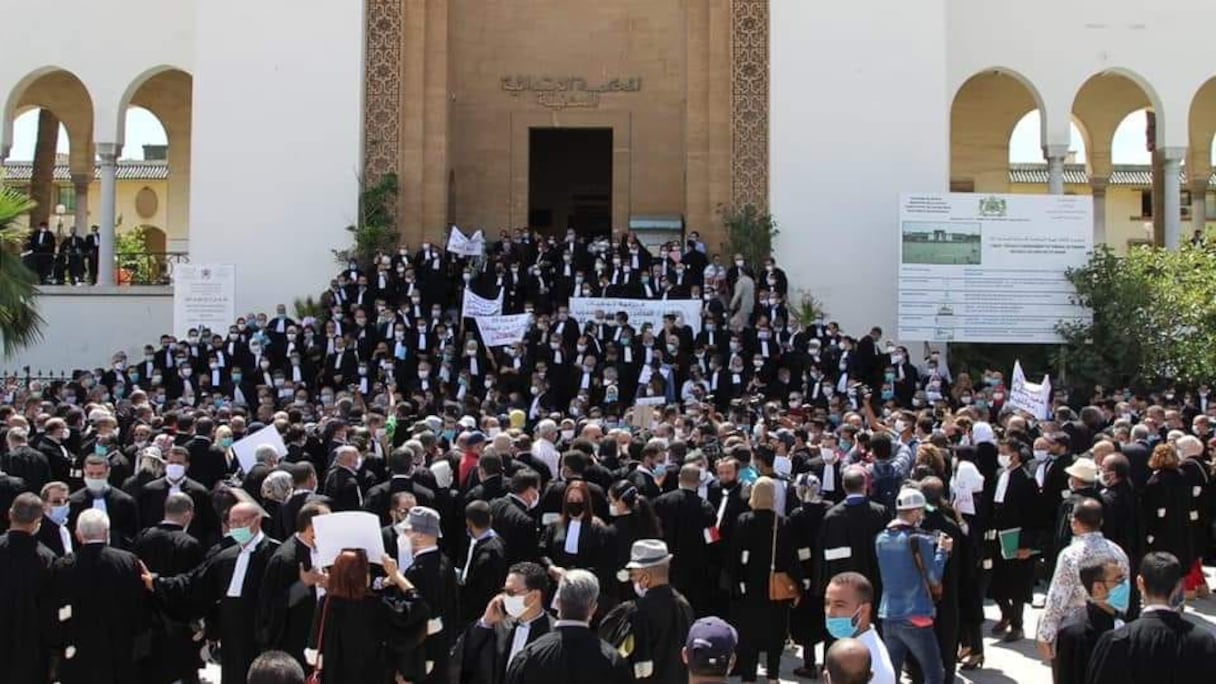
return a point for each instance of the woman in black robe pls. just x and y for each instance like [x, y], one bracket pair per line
[1165, 507]
[762, 622]
[361, 635]
[806, 618]
[577, 540]
[632, 519]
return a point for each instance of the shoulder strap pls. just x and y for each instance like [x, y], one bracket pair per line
[914, 545]
[321, 636]
[772, 561]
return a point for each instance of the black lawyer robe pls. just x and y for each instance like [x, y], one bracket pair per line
[1075, 642]
[371, 639]
[101, 615]
[289, 605]
[168, 549]
[26, 606]
[483, 651]
[684, 517]
[206, 587]
[1161, 647]
[435, 579]
[570, 653]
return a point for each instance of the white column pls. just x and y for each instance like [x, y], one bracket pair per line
[1171, 191]
[81, 181]
[1055, 155]
[1097, 185]
[107, 153]
[1199, 204]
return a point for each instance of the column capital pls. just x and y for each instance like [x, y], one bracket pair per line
[1173, 154]
[1051, 152]
[108, 152]
[79, 179]
[1199, 185]
[1098, 183]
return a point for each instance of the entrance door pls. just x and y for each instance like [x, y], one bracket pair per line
[570, 180]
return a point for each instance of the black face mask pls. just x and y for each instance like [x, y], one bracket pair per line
[576, 509]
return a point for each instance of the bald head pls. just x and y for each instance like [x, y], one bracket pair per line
[245, 514]
[848, 662]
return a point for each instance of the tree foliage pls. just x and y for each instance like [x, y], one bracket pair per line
[20, 322]
[749, 232]
[1154, 318]
[376, 231]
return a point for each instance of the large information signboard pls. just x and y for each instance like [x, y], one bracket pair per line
[203, 296]
[990, 268]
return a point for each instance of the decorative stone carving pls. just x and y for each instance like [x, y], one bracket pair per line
[382, 89]
[749, 102]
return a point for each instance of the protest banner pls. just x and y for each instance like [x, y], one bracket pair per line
[474, 306]
[497, 331]
[244, 449]
[1030, 397]
[640, 311]
[348, 530]
[466, 246]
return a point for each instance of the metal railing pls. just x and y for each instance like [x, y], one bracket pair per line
[147, 268]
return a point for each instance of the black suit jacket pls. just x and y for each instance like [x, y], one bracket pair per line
[284, 522]
[124, 514]
[48, 536]
[517, 528]
[29, 464]
[484, 650]
[167, 549]
[205, 527]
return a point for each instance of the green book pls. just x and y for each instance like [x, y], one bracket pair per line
[1009, 542]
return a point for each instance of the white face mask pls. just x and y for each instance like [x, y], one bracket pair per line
[95, 486]
[567, 435]
[1003, 460]
[639, 589]
[515, 605]
[782, 465]
[175, 471]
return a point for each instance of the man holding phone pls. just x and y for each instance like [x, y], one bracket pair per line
[513, 619]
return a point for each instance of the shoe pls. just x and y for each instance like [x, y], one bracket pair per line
[1000, 628]
[806, 672]
[1014, 634]
[1203, 590]
[974, 662]
[964, 652]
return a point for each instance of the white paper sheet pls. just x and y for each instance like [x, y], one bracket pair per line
[245, 448]
[348, 530]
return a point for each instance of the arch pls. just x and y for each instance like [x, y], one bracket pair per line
[13, 101]
[1201, 125]
[1104, 101]
[1079, 140]
[133, 88]
[983, 114]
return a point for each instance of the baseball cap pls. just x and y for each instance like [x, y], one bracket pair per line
[711, 642]
[909, 499]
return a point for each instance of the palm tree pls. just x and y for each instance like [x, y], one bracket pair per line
[20, 323]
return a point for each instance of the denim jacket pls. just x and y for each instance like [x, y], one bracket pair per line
[904, 594]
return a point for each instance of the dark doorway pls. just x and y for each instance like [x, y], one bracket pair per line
[570, 180]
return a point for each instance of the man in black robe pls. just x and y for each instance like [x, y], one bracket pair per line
[512, 518]
[572, 652]
[101, 610]
[685, 518]
[1077, 636]
[1016, 505]
[1161, 642]
[401, 467]
[98, 494]
[203, 524]
[342, 480]
[660, 616]
[25, 598]
[513, 619]
[432, 573]
[291, 587]
[232, 578]
[1121, 518]
[168, 549]
[24, 462]
[485, 565]
[846, 536]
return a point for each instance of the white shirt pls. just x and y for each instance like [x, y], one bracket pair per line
[572, 534]
[237, 583]
[66, 538]
[880, 661]
[546, 453]
[520, 638]
[316, 565]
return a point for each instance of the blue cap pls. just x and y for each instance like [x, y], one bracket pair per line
[711, 642]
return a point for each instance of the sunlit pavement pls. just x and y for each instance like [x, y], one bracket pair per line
[1016, 663]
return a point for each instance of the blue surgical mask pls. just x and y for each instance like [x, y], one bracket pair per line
[1120, 596]
[842, 627]
[100, 449]
[59, 514]
[242, 535]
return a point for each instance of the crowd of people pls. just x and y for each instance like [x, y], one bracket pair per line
[594, 502]
[67, 259]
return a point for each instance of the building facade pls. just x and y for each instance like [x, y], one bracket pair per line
[556, 113]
